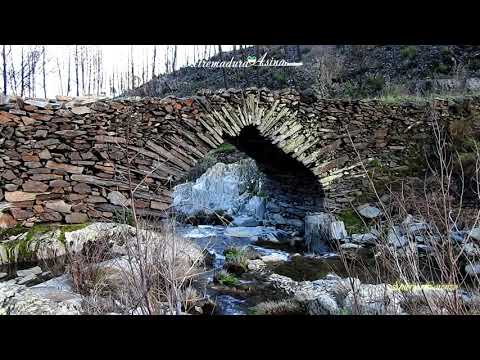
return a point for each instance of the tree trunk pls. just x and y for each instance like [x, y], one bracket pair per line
[112, 90]
[60, 77]
[22, 74]
[33, 66]
[13, 75]
[99, 78]
[133, 69]
[44, 63]
[166, 59]
[154, 60]
[299, 53]
[220, 52]
[90, 65]
[82, 65]
[69, 71]
[174, 58]
[76, 69]
[4, 56]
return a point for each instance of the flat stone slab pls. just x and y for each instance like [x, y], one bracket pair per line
[246, 232]
[26, 272]
[199, 233]
[369, 212]
[245, 221]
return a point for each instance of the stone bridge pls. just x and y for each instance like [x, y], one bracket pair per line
[75, 160]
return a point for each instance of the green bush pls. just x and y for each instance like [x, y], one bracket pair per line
[225, 278]
[376, 83]
[408, 52]
[445, 51]
[124, 216]
[236, 260]
[279, 76]
[441, 68]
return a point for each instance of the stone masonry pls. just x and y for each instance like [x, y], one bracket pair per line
[75, 160]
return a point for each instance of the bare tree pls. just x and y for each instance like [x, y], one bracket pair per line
[44, 63]
[174, 63]
[143, 71]
[99, 79]
[90, 65]
[60, 76]
[133, 68]
[167, 59]
[299, 53]
[113, 83]
[154, 60]
[69, 72]
[82, 66]
[220, 52]
[4, 56]
[33, 65]
[22, 74]
[76, 68]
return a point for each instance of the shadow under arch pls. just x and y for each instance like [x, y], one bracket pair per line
[289, 181]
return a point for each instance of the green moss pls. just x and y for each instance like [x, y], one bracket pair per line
[23, 245]
[69, 228]
[38, 229]
[343, 311]
[252, 311]
[17, 230]
[353, 222]
[225, 148]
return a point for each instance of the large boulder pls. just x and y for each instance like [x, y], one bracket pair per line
[20, 300]
[370, 299]
[318, 231]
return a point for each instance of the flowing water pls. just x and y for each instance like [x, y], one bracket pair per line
[235, 301]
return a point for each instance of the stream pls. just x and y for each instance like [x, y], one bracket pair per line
[216, 238]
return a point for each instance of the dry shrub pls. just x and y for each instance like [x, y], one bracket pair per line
[282, 307]
[431, 281]
[157, 272]
[328, 67]
[84, 268]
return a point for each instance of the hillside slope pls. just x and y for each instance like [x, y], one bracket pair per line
[353, 71]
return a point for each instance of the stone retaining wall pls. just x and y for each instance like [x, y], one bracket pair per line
[68, 160]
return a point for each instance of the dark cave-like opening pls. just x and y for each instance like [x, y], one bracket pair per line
[289, 181]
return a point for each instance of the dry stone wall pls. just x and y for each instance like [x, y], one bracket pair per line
[74, 160]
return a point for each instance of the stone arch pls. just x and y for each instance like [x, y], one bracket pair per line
[275, 121]
[73, 151]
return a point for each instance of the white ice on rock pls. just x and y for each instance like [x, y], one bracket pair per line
[223, 187]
